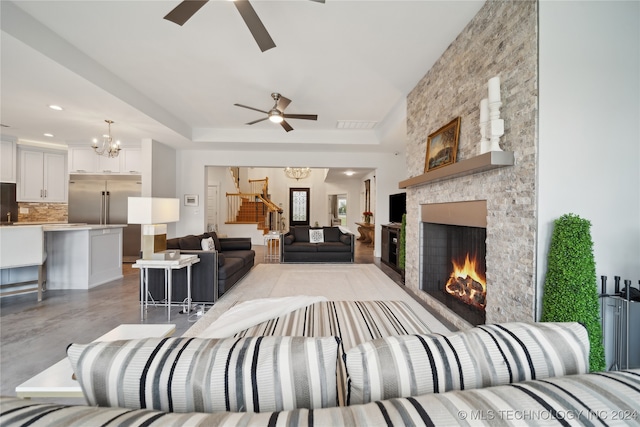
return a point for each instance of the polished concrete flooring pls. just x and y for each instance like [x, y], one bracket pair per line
[33, 335]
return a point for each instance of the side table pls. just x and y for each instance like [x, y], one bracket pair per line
[57, 380]
[167, 265]
[272, 247]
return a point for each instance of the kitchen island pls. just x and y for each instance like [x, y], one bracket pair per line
[82, 256]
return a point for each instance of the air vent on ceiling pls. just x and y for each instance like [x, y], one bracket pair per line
[356, 124]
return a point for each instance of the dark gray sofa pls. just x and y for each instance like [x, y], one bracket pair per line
[337, 246]
[233, 259]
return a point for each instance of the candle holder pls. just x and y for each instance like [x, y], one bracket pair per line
[484, 141]
[497, 126]
[484, 126]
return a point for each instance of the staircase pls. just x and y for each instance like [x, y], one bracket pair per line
[252, 212]
[254, 208]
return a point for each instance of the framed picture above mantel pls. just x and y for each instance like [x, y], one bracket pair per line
[442, 146]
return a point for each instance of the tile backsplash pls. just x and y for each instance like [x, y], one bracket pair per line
[42, 212]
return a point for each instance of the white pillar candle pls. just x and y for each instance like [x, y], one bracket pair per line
[484, 110]
[494, 89]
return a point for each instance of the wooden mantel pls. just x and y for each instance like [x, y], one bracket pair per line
[481, 163]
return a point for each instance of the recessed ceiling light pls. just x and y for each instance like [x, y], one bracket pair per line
[349, 173]
[50, 135]
[56, 107]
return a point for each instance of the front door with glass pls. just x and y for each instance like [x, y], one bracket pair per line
[299, 206]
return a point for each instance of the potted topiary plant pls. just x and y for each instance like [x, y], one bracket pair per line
[570, 289]
[402, 251]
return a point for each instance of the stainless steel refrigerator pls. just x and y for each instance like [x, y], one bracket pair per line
[96, 199]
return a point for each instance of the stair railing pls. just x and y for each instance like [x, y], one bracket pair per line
[260, 186]
[263, 206]
[265, 211]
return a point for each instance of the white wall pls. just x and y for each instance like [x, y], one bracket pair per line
[589, 137]
[191, 177]
[159, 174]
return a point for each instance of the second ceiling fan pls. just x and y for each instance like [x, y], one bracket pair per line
[277, 115]
[187, 8]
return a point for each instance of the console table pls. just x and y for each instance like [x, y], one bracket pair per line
[167, 265]
[57, 380]
[367, 232]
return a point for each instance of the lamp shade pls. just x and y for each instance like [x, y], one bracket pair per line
[153, 210]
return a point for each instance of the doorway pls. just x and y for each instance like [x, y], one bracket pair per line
[299, 206]
[213, 198]
[338, 209]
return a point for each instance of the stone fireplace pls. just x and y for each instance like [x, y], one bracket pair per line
[453, 87]
[453, 257]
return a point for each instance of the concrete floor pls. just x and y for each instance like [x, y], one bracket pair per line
[34, 336]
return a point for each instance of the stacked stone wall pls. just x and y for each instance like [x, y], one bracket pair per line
[43, 212]
[500, 40]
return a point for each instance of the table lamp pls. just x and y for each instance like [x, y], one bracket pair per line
[153, 213]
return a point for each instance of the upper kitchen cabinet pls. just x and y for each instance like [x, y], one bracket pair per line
[109, 164]
[8, 161]
[42, 175]
[131, 160]
[82, 160]
[85, 160]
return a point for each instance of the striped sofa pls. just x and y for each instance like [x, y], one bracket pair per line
[510, 374]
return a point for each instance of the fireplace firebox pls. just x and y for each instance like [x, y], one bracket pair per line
[453, 257]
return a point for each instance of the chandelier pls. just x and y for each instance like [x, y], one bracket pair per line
[297, 173]
[107, 148]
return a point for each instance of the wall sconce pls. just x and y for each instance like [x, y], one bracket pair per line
[153, 213]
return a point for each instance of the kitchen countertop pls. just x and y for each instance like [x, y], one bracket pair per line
[63, 226]
[67, 227]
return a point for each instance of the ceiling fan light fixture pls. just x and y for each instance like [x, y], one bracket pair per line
[275, 116]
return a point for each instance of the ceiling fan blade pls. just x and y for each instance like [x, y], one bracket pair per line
[283, 102]
[318, 1]
[286, 126]
[301, 116]
[251, 108]
[257, 121]
[185, 10]
[258, 31]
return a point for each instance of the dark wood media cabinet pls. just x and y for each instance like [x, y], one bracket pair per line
[391, 245]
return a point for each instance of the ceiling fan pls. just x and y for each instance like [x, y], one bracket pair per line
[277, 115]
[187, 8]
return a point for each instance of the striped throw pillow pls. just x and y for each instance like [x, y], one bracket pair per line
[255, 374]
[488, 355]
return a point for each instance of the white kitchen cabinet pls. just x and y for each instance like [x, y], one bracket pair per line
[82, 160]
[109, 164]
[8, 161]
[42, 176]
[131, 160]
[85, 160]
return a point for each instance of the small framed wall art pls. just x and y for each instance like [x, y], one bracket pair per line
[191, 200]
[442, 146]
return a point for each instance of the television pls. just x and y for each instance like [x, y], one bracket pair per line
[397, 207]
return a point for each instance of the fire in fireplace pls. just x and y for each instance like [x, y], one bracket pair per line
[467, 282]
[453, 251]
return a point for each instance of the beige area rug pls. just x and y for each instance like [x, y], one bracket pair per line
[336, 282]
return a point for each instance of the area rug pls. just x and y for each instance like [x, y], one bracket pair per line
[336, 282]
